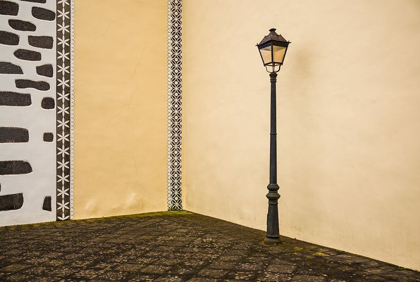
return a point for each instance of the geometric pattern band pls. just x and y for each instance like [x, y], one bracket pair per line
[174, 104]
[64, 110]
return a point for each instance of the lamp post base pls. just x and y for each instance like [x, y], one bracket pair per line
[272, 241]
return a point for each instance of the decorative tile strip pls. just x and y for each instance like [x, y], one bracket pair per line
[64, 109]
[174, 104]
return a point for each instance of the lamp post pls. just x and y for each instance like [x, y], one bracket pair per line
[273, 50]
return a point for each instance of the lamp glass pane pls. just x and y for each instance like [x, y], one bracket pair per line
[266, 54]
[279, 52]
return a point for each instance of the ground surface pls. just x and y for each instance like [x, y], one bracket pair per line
[174, 247]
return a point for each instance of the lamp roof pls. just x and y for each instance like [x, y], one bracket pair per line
[273, 36]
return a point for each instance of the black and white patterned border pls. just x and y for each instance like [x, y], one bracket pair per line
[64, 109]
[174, 104]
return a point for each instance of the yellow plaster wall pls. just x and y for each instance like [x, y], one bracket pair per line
[120, 107]
[348, 120]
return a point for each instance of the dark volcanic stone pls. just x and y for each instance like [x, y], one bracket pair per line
[13, 135]
[48, 137]
[14, 167]
[172, 246]
[8, 8]
[10, 68]
[48, 103]
[22, 25]
[43, 14]
[46, 206]
[8, 38]
[27, 55]
[39, 85]
[36, 1]
[45, 70]
[45, 42]
[14, 99]
[11, 202]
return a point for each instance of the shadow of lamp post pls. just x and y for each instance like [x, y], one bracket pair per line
[273, 50]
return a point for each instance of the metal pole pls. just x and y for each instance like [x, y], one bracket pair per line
[273, 235]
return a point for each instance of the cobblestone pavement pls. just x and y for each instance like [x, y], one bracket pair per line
[174, 246]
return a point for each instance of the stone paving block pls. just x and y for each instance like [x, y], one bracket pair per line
[278, 261]
[243, 275]
[212, 273]
[14, 268]
[84, 263]
[258, 259]
[169, 261]
[200, 279]
[57, 272]
[169, 279]
[146, 260]
[222, 265]
[233, 252]
[274, 277]
[177, 270]
[111, 276]
[307, 278]
[369, 264]
[195, 263]
[18, 277]
[229, 258]
[141, 277]
[88, 273]
[370, 271]
[346, 268]
[158, 254]
[398, 277]
[250, 266]
[406, 273]
[42, 270]
[281, 268]
[130, 267]
[156, 269]
[373, 278]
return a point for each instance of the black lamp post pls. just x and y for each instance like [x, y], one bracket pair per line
[273, 50]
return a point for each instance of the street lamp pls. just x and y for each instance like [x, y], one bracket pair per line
[273, 50]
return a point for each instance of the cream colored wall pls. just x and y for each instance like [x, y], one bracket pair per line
[348, 120]
[121, 105]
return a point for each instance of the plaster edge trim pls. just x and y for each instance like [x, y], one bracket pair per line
[72, 109]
